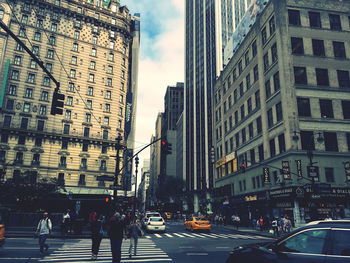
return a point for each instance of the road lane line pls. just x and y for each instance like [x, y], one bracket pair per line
[168, 235]
[178, 235]
[157, 235]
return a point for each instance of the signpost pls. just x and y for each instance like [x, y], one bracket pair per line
[286, 170]
[266, 173]
[299, 169]
[312, 172]
[347, 171]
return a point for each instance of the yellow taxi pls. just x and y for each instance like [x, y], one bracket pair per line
[2, 235]
[197, 223]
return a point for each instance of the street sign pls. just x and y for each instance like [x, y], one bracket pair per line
[312, 171]
[286, 170]
[299, 168]
[347, 171]
[266, 173]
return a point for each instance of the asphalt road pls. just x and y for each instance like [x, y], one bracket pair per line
[175, 245]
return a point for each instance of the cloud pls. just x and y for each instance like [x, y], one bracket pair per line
[161, 62]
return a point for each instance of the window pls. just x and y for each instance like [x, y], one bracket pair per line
[106, 121]
[44, 95]
[120, 113]
[50, 53]
[270, 118]
[119, 124]
[94, 40]
[52, 40]
[274, 53]
[75, 47]
[70, 101]
[330, 141]
[32, 64]
[237, 139]
[348, 141]
[82, 180]
[246, 58]
[334, 21]
[92, 65]
[93, 52]
[105, 135]
[346, 109]
[103, 166]
[13, 90]
[72, 73]
[85, 146]
[77, 23]
[241, 91]
[26, 107]
[276, 81]
[111, 45]
[272, 148]
[109, 82]
[266, 61]
[322, 77]
[242, 112]
[40, 125]
[329, 173]
[256, 73]
[7, 121]
[64, 144]
[343, 78]
[21, 140]
[268, 89]
[38, 142]
[240, 67]
[304, 107]
[87, 117]
[71, 86]
[37, 36]
[315, 19]
[243, 135]
[251, 130]
[10, 104]
[63, 161]
[309, 242]
[318, 47]
[68, 114]
[258, 125]
[66, 129]
[279, 113]
[111, 57]
[297, 45]
[31, 78]
[18, 60]
[123, 74]
[254, 49]
[307, 140]
[108, 94]
[39, 23]
[86, 134]
[19, 47]
[15, 75]
[49, 67]
[261, 153]
[46, 81]
[294, 17]
[74, 60]
[340, 246]
[54, 27]
[24, 123]
[18, 160]
[247, 78]
[236, 117]
[123, 62]
[24, 19]
[121, 99]
[281, 143]
[249, 104]
[89, 104]
[339, 49]
[42, 110]
[110, 69]
[272, 25]
[91, 77]
[300, 76]
[22, 32]
[90, 91]
[257, 99]
[263, 36]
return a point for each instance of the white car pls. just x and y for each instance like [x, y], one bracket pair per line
[155, 224]
[147, 216]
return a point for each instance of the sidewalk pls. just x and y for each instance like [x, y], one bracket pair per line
[246, 230]
[12, 232]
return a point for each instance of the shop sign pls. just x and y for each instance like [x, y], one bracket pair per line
[347, 170]
[286, 170]
[220, 162]
[250, 198]
[300, 192]
[343, 191]
[266, 173]
[312, 171]
[225, 159]
[284, 192]
[284, 204]
[299, 168]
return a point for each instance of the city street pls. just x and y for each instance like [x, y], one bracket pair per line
[176, 245]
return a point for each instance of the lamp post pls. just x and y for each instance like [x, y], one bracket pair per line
[117, 161]
[136, 168]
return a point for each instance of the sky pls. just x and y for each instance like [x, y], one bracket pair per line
[161, 62]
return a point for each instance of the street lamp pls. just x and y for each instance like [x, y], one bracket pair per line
[136, 168]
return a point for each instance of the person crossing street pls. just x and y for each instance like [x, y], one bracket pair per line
[44, 230]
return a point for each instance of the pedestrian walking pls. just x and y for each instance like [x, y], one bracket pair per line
[281, 223]
[97, 233]
[287, 224]
[275, 227]
[261, 223]
[116, 234]
[134, 232]
[65, 223]
[43, 230]
[236, 221]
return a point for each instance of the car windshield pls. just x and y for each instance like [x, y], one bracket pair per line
[200, 219]
[156, 219]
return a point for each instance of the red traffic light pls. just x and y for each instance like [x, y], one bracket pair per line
[243, 164]
[107, 199]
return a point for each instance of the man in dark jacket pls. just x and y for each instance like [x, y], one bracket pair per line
[116, 234]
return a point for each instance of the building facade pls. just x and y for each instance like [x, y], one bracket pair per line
[281, 110]
[89, 47]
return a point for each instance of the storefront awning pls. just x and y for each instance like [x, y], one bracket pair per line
[84, 191]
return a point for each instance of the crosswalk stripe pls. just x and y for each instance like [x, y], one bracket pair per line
[168, 235]
[186, 234]
[219, 235]
[197, 235]
[81, 252]
[176, 234]
[157, 235]
[209, 235]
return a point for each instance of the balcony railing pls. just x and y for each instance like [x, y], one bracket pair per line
[18, 161]
[36, 162]
[62, 165]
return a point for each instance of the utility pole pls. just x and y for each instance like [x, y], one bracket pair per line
[117, 170]
[136, 168]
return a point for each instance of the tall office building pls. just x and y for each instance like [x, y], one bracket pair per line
[91, 48]
[208, 26]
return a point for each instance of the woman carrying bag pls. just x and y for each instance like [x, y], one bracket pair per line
[97, 233]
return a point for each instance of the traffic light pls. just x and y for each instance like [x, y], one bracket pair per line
[166, 147]
[243, 165]
[107, 200]
[57, 103]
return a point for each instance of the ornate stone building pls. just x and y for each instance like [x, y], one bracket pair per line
[88, 46]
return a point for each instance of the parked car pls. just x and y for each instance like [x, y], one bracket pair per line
[155, 224]
[319, 241]
[197, 223]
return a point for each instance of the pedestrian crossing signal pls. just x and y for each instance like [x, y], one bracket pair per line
[107, 199]
[243, 167]
[166, 147]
